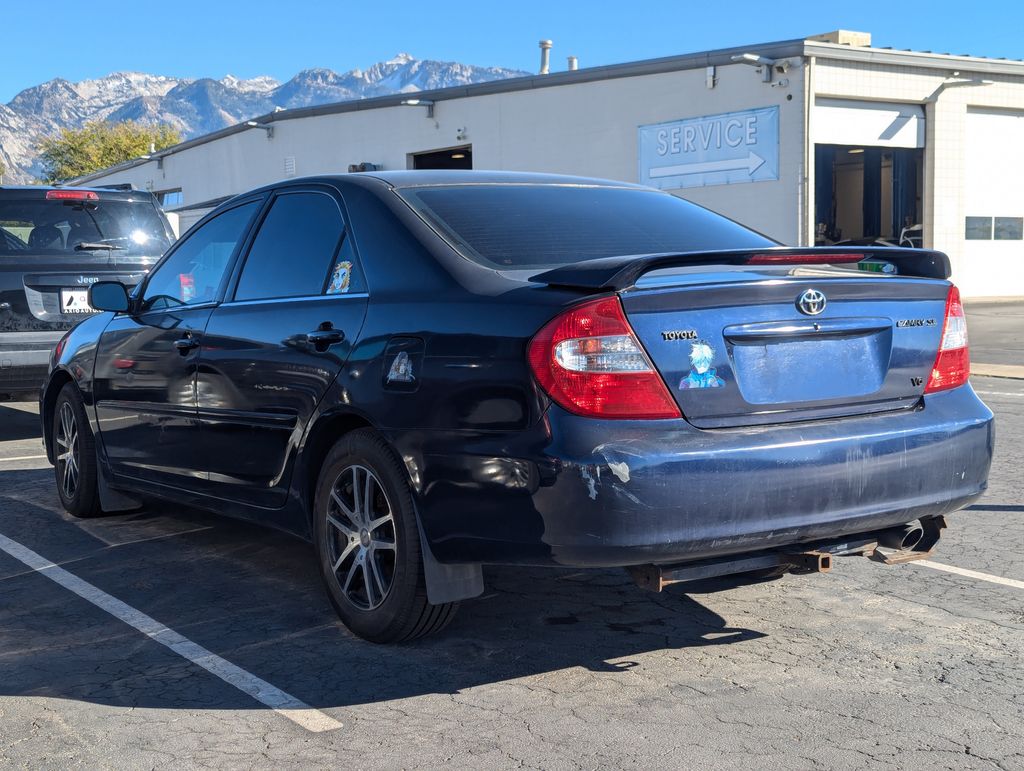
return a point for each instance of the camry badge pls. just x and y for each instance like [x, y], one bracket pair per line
[811, 302]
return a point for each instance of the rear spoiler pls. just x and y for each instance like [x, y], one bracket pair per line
[622, 272]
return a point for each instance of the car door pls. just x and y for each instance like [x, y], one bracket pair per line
[270, 351]
[144, 381]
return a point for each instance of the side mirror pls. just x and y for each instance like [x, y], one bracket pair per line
[109, 296]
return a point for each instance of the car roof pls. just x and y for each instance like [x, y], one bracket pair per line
[408, 178]
[425, 177]
[412, 178]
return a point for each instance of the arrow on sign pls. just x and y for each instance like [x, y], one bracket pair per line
[751, 163]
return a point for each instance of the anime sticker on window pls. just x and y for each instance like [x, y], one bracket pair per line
[341, 278]
[702, 374]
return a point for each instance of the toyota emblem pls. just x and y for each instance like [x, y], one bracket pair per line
[811, 302]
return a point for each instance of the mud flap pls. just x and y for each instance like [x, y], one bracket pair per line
[112, 500]
[448, 583]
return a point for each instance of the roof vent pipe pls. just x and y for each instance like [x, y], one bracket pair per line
[574, 63]
[545, 57]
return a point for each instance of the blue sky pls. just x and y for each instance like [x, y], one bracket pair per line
[76, 40]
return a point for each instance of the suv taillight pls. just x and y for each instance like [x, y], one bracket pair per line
[953, 362]
[589, 362]
[58, 350]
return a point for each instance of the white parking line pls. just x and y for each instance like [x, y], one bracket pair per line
[971, 574]
[999, 393]
[282, 703]
[22, 457]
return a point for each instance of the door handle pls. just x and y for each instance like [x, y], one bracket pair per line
[324, 336]
[186, 343]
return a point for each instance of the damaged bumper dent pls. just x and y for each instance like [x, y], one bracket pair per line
[593, 493]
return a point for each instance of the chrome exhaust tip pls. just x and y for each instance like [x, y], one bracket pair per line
[903, 538]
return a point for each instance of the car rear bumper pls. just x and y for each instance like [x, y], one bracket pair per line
[584, 492]
[24, 359]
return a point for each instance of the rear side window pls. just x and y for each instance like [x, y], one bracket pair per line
[295, 249]
[544, 226]
[50, 227]
[193, 273]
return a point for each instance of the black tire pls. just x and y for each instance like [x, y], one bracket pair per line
[374, 576]
[74, 452]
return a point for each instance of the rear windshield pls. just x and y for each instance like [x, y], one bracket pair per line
[52, 227]
[537, 226]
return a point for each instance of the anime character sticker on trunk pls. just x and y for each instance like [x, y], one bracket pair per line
[702, 374]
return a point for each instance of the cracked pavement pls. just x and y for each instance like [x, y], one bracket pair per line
[867, 667]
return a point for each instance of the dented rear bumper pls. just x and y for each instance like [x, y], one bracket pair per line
[584, 492]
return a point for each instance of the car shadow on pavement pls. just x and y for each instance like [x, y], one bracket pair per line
[253, 596]
[17, 423]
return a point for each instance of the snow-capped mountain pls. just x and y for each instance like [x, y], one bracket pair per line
[198, 106]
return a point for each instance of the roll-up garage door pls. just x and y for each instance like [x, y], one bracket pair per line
[992, 263]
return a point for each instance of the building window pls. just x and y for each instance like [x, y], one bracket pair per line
[170, 198]
[978, 229]
[1009, 229]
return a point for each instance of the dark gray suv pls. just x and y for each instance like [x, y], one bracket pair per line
[54, 243]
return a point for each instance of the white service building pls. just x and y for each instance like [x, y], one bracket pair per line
[808, 141]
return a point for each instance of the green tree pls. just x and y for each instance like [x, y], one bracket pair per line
[98, 145]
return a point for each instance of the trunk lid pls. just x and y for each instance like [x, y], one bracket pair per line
[753, 345]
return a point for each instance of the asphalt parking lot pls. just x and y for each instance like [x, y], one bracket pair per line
[997, 335]
[868, 666]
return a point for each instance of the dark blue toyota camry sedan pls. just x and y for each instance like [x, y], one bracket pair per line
[426, 372]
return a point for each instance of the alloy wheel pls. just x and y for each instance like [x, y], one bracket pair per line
[361, 542]
[68, 451]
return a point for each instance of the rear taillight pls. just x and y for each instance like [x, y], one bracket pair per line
[953, 362]
[803, 259]
[589, 361]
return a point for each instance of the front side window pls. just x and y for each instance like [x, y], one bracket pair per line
[294, 250]
[192, 275]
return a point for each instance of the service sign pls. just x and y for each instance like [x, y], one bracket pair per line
[724, 149]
